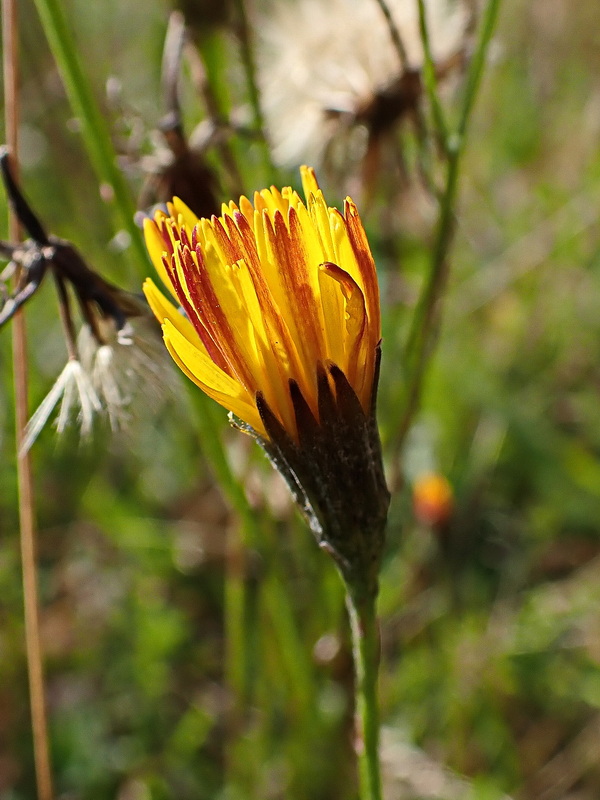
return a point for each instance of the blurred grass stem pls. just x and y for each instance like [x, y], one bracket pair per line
[33, 647]
[238, 667]
[241, 609]
[96, 134]
[425, 321]
[430, 80]
[245, 39]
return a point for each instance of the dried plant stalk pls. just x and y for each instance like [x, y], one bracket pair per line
[24, 475]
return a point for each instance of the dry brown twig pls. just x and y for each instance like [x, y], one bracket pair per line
[27, 525]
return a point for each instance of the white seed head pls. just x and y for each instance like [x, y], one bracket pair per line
[107, 380]
[132, 366]
[323, 56]
[74, 391]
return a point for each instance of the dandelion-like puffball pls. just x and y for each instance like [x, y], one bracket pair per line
[322, 60]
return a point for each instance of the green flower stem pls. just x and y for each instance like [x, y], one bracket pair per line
[95, 131]
[365, 644]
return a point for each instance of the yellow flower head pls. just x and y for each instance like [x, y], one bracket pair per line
[275, 294]
[282, 327]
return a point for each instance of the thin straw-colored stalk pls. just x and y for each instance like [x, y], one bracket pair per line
[24, 475]
[424, 324]
[95, 130]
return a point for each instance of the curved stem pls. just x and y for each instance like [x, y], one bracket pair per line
[365, 644]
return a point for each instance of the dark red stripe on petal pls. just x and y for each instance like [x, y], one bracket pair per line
[164, 233]
[231, 251]
[195, 318]
[291, 256]
[185, 239]
[243, 243]
[175, 230]
[199, 281]
[200, 303]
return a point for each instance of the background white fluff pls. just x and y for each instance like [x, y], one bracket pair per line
[320, 55]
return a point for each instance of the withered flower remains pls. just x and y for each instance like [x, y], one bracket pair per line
[113, 358]
[282, 327]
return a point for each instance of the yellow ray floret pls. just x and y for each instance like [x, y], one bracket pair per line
[268, 291]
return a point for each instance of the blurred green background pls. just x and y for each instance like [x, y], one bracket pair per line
[490, 675]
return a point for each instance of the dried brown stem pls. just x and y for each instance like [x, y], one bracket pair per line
[394, 33]
[24, 475]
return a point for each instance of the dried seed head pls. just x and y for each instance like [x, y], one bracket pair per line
[130, 369]
[111, 380]
[328, 88]
[74, 391]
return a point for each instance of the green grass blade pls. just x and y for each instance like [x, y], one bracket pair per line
[95, 131]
